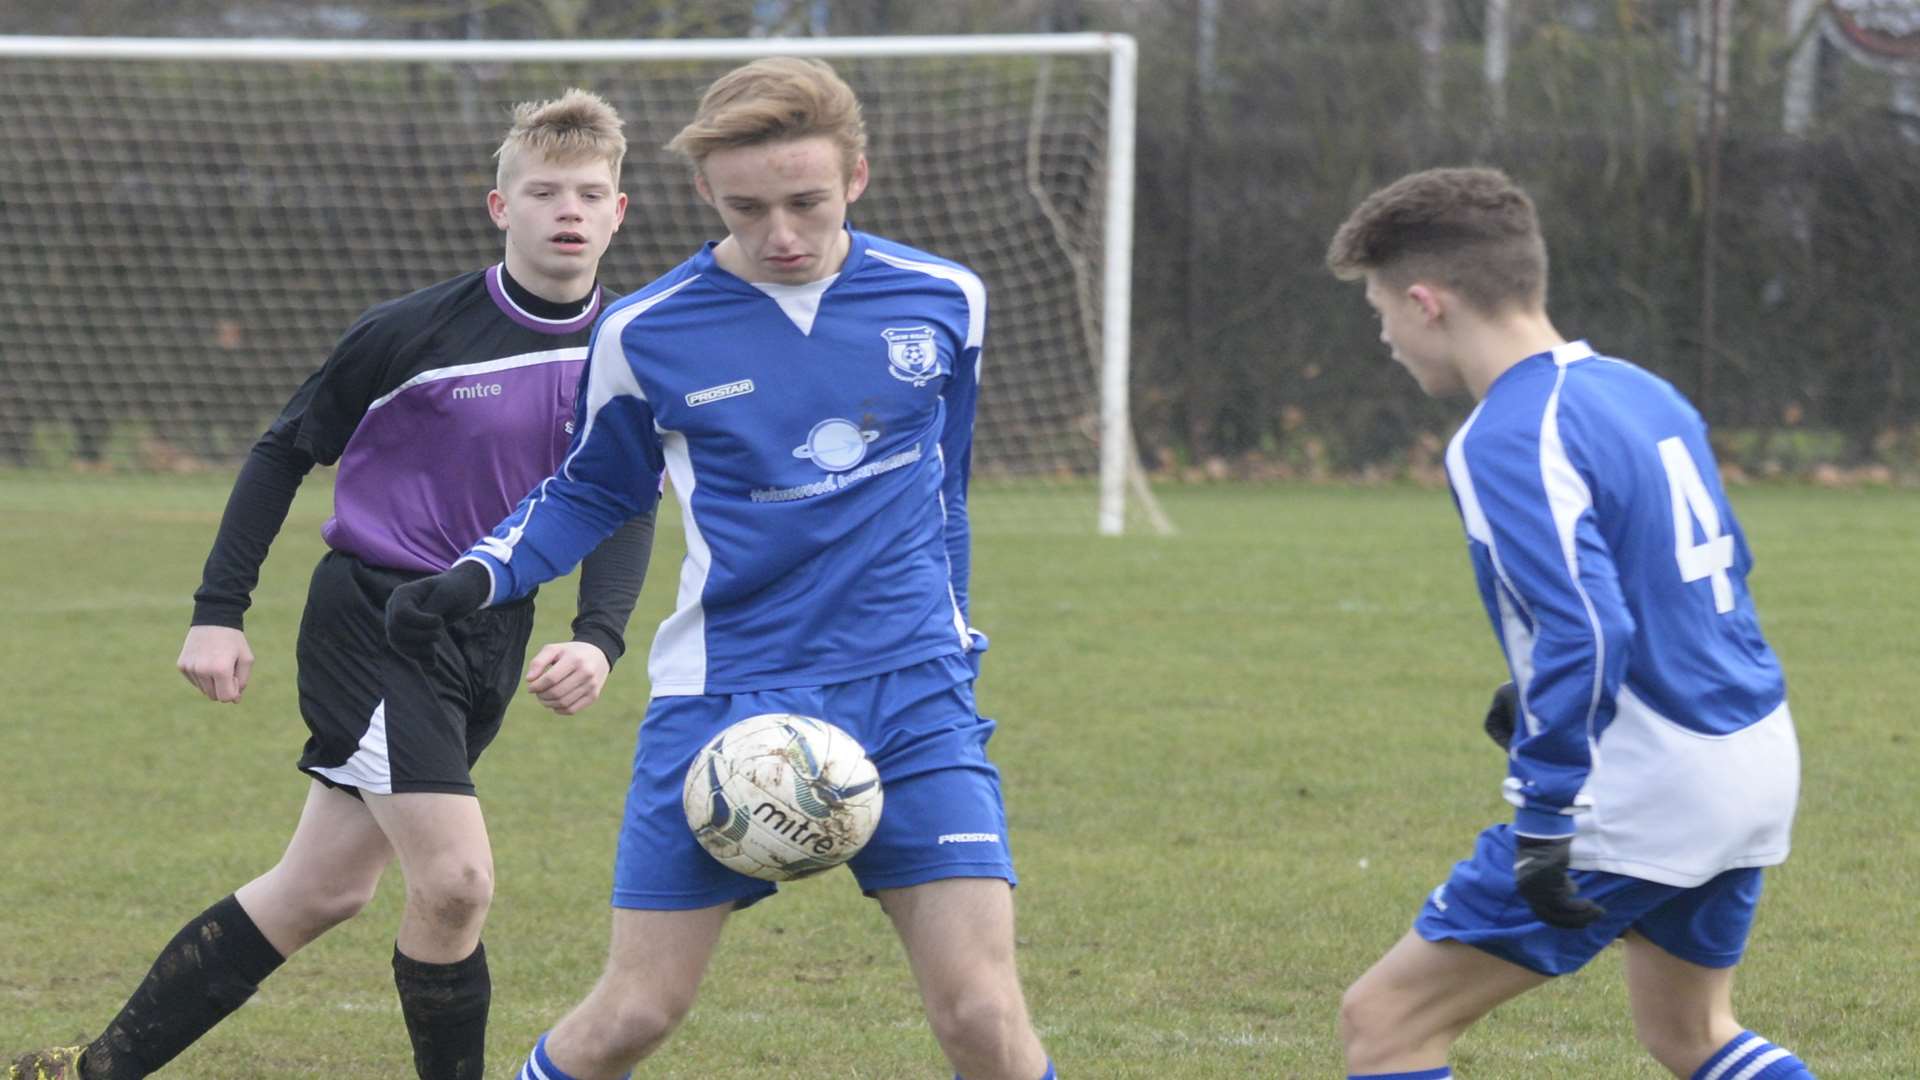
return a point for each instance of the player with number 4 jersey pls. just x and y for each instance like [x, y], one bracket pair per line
[1652, 762]
[1614, 572]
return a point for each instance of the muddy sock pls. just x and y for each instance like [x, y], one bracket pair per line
[446, 1010]
[209, 969]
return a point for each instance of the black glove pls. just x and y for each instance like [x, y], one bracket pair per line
[418, 611]
[1503, 715]
[1540, 876]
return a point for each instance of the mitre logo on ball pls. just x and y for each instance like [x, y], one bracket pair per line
[780, 796]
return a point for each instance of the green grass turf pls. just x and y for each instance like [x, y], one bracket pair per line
[1235, 760]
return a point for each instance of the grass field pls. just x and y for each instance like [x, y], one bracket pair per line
[1235, 760]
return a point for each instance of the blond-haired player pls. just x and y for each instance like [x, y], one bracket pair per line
[810, 388]
[441, 409]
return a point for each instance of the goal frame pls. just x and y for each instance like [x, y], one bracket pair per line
[1119, 468]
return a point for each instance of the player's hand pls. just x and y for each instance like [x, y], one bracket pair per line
[1503, 715]
[217, 661]
[420, 610]
[568, 676]
[1540, 876]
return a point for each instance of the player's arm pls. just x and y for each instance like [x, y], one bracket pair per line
[568, 676]
[216, 657]
[1556, 574]
[960, 397]
[611, 475]
[1555, 571]
[956, 454]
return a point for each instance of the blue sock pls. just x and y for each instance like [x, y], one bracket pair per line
[1749, 1057]
[541, 1067]
[1442, 1073]
[1049, 1074]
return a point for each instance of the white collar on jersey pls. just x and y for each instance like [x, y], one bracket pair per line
[1567, 352]
[800, 302]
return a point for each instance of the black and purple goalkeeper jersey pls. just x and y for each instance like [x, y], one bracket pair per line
[443, 409]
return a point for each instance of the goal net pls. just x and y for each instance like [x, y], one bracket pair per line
[187, 226]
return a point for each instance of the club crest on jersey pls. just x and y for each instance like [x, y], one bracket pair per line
[835, 445]
[912, 356]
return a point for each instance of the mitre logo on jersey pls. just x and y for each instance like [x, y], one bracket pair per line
[477, 391]
[912, 356]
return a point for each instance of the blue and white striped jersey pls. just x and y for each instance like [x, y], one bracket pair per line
[1655, 725]
[818, 442]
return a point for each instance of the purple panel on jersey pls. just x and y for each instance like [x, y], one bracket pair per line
[436, 464]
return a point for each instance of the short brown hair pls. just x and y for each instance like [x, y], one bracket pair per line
[1470, 230]
[577, 126]
[774, 100]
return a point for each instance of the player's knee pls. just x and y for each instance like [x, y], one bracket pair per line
[453, 893]
[983, 1022]
[308, 903]
[1679, 1044]
[1368, 1027]
[329, 906]
[624, 1029]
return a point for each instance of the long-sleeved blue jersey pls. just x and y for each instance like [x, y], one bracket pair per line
[1655, 728]
[818, 442]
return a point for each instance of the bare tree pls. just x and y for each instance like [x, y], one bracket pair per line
[1494, 61]
[1433, 42]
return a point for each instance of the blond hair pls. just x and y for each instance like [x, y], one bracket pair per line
[775, 100]
[1473, 231]
[578, 126]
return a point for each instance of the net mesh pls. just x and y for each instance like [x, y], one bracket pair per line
[181, 241]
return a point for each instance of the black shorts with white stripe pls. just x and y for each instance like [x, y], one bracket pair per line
[379, 722]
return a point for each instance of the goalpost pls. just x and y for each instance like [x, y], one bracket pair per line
[187, 224]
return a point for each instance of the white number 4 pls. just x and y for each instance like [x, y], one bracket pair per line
[1711, 557]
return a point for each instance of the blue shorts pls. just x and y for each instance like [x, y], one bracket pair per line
[1706, 924]
[943, 817]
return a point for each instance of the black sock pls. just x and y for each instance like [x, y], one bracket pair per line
[210, 967]
[446, 1010]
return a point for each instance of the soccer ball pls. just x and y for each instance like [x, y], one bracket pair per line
[780, 796]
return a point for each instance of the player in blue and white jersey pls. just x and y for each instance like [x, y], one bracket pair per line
[1653, 766]
[441, 409]
[808, 391]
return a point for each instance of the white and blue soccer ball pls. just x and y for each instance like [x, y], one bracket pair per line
[779, 796]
